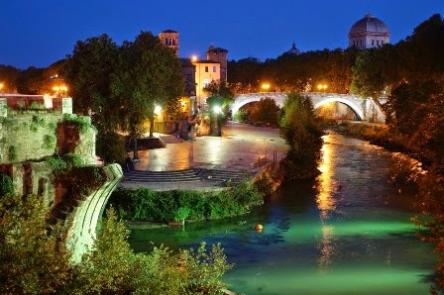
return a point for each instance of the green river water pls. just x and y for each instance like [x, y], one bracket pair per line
[349, 234]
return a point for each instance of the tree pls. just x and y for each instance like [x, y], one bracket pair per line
[302, 131]
[219, 101]
[33, 261]
[88, 72]
[147, 74]
[8, 76]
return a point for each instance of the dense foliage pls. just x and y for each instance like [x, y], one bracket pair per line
[147, 205]
[6, 185]
[262, 113]
[301, 129]
[35, 261]
[298, 73]
[120, 85]
[220, 95]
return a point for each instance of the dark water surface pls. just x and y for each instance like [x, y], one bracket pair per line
[350, 235]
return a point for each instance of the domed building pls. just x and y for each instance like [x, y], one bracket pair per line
[368, 32]
[293, 50]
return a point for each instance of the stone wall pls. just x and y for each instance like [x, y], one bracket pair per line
[52, 155]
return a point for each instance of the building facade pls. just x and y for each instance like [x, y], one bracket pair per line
[368, 32]
[197, 73]
[170, 39]
[207, 71]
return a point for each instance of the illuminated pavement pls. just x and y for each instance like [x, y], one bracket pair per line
[242, 147]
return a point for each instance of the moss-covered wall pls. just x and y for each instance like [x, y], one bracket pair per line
[28, 136]
[31, 136]
[52, 155]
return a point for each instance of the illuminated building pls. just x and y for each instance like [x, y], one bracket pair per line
[368, 32]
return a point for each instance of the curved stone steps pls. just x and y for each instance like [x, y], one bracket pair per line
[217, 177]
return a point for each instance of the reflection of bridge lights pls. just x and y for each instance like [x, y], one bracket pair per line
[325, 199]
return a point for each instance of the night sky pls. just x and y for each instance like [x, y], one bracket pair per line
[39, 32]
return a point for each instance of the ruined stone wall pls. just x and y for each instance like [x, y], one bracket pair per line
[52, 155]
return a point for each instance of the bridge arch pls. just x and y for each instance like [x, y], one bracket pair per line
[356, 108]
[360, 106]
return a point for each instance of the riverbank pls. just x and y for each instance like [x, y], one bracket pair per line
[176, 207]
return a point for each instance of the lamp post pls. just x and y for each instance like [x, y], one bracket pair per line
[265, 87]
[156, 113]
[60, 90]
[322, 87]
[217, 110]
[2, 85]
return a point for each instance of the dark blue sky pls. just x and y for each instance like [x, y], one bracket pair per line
[39, 32]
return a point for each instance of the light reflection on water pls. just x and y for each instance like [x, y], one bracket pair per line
[347, 236]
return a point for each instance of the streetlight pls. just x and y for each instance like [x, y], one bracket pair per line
[265, 86]
[194, 58]
[157, 110]
[217, 109]
[60, 89]
[322, 87]
[2, 85]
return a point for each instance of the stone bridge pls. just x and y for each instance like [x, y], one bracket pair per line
[364, 108]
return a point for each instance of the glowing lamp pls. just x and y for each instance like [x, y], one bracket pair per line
[265, 86]
[217, 109]
[157, 109]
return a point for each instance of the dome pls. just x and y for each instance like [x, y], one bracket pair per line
[293, 50]
[369, 25]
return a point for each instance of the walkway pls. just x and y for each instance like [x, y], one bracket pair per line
[208, 161]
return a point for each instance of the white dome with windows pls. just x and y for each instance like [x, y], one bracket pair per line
[369, 32]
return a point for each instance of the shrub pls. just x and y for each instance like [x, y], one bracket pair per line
[57, 163]
[6, 185]
[146, 205]
[12, 153]
[181, 214]
[48, 141]
[34, 260]
[113, 268]
[84, 123]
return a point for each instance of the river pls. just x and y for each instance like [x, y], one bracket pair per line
[349, 234]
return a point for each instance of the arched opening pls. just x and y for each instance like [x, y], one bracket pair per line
[336, 111]
[357, 110]
[264, 112]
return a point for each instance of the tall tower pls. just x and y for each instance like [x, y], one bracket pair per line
[219, 55]
[170, 39]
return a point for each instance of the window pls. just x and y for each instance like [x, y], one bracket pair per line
[206, 69]
[214, 69]
[373, 42]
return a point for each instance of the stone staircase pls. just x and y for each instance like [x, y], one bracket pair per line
[199, 176]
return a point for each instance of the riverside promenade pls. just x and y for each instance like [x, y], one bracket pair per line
[207, 162]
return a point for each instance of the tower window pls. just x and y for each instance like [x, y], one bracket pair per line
[373, 42]
[206, 69]
[214, 69]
